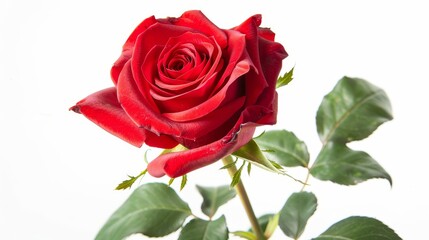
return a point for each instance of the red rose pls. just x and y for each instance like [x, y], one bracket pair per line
[186, 81]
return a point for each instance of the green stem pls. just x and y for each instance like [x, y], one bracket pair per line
[241, 192]
[306, 179]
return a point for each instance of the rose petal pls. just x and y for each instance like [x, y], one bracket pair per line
[202, 55]
[157, 88]
[197, 20]
[103, 109]
[256, 79]
[214, 102]
[171, 87]
[139, 109]
[194, 68]
[139, 106]
[272, 54]
[201, 82]
[270, 116]
[232, 56]
[128, 47]
[217, 121]
[262, 115]
[176, 164]
[156, 35]
[266, 33]
[237, 67]
[119, 64]
[161, 141]
[138, 30]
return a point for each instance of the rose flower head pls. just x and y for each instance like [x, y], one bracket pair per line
[186, 81]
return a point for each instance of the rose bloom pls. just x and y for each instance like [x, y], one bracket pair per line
[186, 81]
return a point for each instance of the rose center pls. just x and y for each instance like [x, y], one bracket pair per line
[178, 62]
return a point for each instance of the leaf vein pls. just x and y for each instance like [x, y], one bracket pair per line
[348, 112]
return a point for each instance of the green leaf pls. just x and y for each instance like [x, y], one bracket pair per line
[126, 183]
[295, 213]
[198, 229]
[245, 235]
[153, 209]
[359, 228]
[272, 224]
[214, 197]
[276, 165]
[171, 181]
[263, 221]
[251, 152]
[285, 79]
[129, 182]
[237, 176]
[284, 148]
[229, 165]
[183, 182]
[352, 111]
[342, 165]
[249, 168]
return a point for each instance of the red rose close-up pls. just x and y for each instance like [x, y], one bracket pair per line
[186, 81]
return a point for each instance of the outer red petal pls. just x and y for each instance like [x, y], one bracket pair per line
[119, 65]
[256, 81]
[138, 30]
[266, 33]
[128, 47]
[270, 117]
[103, 109]
[272, 55]
[177, 164]
[197, 20]
[161, 141]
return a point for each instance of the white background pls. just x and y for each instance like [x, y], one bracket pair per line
[58, 170]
